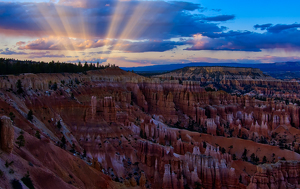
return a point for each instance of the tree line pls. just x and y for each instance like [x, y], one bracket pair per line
[12, 66]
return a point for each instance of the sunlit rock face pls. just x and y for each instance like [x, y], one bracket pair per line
[6, 134]
[283, 174]
[133, 131]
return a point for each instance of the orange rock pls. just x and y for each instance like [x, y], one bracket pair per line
[6, 134]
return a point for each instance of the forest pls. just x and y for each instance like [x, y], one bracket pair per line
[12, 66]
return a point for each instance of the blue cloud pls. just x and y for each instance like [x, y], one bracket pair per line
[7, 51]
[278, 36]
[281, 27]
[220, 18]
[263, 26]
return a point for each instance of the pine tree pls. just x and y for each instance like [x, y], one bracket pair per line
[37, 134]
[63, 142]
[84, 153]
[12, 116]
[21, 140]
[264, 159]
[30, 115]
[252, 157]
[19, 87]
[59, 125]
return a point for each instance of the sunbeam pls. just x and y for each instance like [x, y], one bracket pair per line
[56, 25]
[135, 26]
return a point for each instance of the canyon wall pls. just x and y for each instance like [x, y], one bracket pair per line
[143, 132]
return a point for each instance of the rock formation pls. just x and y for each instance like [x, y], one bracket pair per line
[155, 132]
[6, 134]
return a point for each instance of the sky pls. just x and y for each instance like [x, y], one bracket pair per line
[132, 33]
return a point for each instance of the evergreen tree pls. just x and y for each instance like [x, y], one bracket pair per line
[30, 115]
[12, 116]
[84, 153]
[37, 134]
[244, 156]
[27, 181]
[252, 157]
[19, 87]
[85, 67]
[21, 141]
[264, 159]
[59, 125]
[63, 142]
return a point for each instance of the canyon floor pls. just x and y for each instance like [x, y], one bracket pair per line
[196, 127]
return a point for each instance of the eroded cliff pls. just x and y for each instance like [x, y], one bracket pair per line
[114, 129]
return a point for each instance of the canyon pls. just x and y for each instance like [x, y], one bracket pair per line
[197, 127]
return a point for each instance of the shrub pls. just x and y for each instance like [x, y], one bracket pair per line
[12, 116]
[54, 86]
[16, 184]
[59, 125]
[30, 115]
[84, 153]
[77, 81]
[37, 134]
[244, 156]
[27, 181]
[63, 142]
[19, 87]
[21, 140]
[8, 164]
[264, 159]
[198, 185]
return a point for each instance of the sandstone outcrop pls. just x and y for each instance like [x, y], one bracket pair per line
[6, 134]
[283, 174]
[153, 133]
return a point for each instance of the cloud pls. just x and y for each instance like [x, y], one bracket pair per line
[91, 60]
[278, 36]
[268, 58]
[220, 18]
[20, 43]
[148, 46]
[263, 26]
[217, 10]
[7, 51]
[62, 43]
[276, 28]
[146, 26]
[46, 54]
[98, 52]
[94, 19]
[281, 27]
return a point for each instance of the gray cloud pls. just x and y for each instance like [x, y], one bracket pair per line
[149, 46]
[7, 51]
